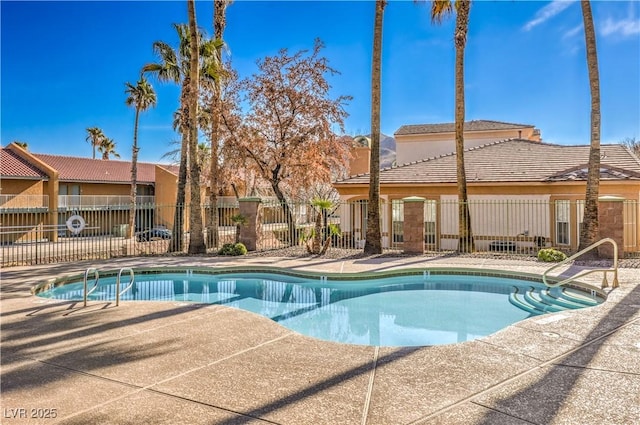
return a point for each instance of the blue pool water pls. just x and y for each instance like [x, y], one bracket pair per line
[410, 310]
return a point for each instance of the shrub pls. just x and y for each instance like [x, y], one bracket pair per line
[551, 255]
[239, 249]
[233, 249]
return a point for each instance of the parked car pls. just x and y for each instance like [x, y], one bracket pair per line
[153, 234]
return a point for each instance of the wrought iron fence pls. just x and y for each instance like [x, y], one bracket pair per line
[36, 236]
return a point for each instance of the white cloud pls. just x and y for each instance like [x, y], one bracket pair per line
[547, 12]
[624, 27]
[573, 31]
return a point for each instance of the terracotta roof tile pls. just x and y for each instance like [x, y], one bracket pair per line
[512, 160]
[99, 170]
[476, 125]
[11, 165]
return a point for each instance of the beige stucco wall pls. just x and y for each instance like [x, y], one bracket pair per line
[33, 189]
[360, 160]
[166, 192]
[415, 147]
[50, 188]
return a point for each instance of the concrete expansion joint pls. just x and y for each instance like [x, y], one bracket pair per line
[372, 376]
[237, 353]
[552, 362]
[519, 419]
[599, 369]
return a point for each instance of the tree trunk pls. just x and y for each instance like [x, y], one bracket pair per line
[134, 178]
[373, 239]
[178, 220]
[589, 231]
[196, 236]
[219, 23]
[293, 231]
[465, 243]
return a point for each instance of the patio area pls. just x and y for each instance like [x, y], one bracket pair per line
[182, 363]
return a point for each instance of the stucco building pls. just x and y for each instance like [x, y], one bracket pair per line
[520, 188]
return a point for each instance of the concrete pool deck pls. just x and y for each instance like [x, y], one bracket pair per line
[179, 363]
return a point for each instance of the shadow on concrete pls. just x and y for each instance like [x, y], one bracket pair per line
[533, 403]
[319, 387]
[21, 337]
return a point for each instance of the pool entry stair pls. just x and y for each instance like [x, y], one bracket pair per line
[548, 300]
[96, 277]
[613, 269]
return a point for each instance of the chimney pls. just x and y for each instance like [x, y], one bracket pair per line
[360, 156]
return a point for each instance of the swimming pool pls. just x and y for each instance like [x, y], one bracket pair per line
[401, 308]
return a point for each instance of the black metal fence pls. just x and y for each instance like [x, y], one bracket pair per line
[38, 236]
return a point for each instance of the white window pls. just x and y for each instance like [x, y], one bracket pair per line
[397, 220]
[563, 222]
[430, 221]
[580, 218]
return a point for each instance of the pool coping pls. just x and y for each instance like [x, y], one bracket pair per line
[531, 277]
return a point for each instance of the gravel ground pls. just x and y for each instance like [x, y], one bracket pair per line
[337, 254]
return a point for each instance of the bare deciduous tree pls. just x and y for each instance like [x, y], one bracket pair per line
[288, 135]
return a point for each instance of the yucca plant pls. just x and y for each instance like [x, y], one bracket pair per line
[321, 229]
[239, 220]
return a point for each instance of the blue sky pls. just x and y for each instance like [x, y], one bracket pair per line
[64, 65]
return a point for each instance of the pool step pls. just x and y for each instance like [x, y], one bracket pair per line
[548, 300]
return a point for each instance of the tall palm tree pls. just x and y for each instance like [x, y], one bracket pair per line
[589, 231]
[440, 9]
[196, 239]
[173, 66]
[108, 147]
[219, 24]
[94, 137]
[141, 97]
[373, 239]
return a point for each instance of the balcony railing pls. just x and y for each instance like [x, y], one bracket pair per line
[101, 201]
[23, 202]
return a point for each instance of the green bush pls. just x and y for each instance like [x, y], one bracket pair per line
[233, 249]
[239, 249]
[551, 255]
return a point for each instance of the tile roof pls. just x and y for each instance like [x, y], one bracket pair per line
[512, 160]
[98, 170]
[11, 165]
[476, 125]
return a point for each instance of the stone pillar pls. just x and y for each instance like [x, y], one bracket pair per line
[413, 227]
[611, 224]
[250, 233]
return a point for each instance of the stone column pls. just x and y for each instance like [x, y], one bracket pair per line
[413, 227]
[611, 224]
[250, 232]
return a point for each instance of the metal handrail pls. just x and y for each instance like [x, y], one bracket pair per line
[95, 284]
[613, 269]
[131, 277]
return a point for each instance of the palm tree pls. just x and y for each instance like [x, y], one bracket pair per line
[94, 137]
[373, 239]
[219, 24]
[173, 66]
[440, 9]
[196, 239]
[141, 97]
[108, 147]
[589, 231]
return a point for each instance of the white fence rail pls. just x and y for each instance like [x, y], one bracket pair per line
[11, 202]
[101, 201]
